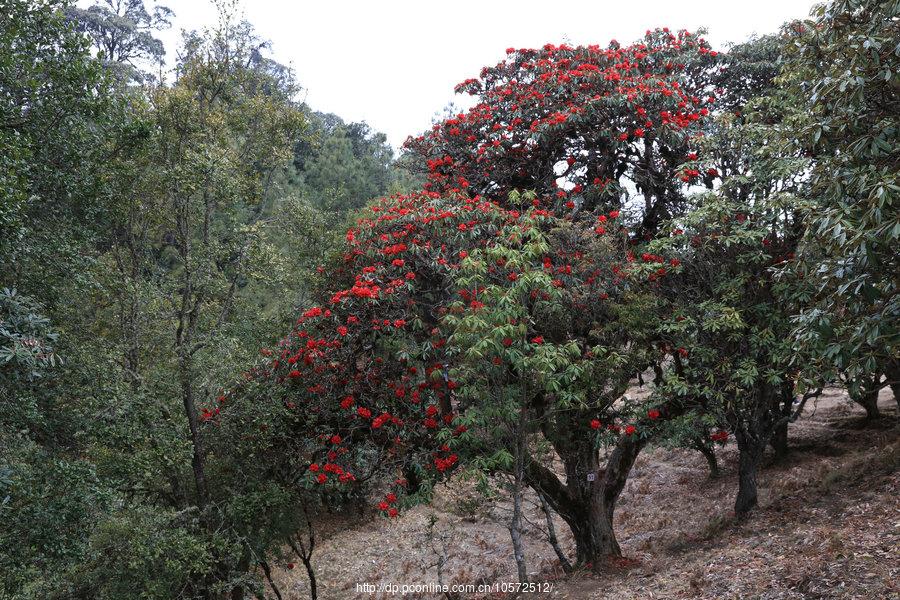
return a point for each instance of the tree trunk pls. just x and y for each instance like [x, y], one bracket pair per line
[781, 420]
[710, 455]
[779, 441]
[515, 533]
[188, 312]
[587, 500]
[748, 465]
[190, 410]
[893, 379]
[869, 401]
[584, 511]
[268, 573]
[311, 574]
[515, 525]
[551, 536]
[867, 396]
[304, 552]
[595, 539]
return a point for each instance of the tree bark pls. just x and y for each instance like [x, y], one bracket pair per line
[515, 533]
[190, 409]
[779, 441]
[551, 536]
[304, 551]
[869, 401]
[311, 574]
[586, 506]
[515, 525]
[710, 455]
[750, 456]
[784, 407]
[893, 379]
[268, 573]
[867, 396]
[595, 539]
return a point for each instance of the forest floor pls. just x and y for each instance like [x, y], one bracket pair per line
[828, 526]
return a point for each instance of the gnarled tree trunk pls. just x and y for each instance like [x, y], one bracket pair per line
[586, 502]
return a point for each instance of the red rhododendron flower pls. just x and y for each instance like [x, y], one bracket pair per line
[719, 436]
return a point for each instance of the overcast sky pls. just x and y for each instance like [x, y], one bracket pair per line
[394, 63]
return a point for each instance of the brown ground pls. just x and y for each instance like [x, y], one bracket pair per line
[828, 526]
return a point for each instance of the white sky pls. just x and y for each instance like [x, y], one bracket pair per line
[394, 63]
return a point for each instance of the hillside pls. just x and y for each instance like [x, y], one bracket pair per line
[827, 527]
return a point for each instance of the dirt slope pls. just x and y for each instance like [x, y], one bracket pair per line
[828, 527]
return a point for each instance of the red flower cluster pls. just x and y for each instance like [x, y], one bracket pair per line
[633, 94]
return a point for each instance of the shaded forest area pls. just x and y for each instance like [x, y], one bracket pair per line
[623, 325]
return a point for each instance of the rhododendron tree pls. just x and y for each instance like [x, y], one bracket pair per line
[584, 128]
[357, 394]
[733, 298]
[848, 66]
[728, 317]
[360, 385]
[372, 363]
[696, 430]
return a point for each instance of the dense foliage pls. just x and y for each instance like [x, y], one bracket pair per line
[851, 59]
